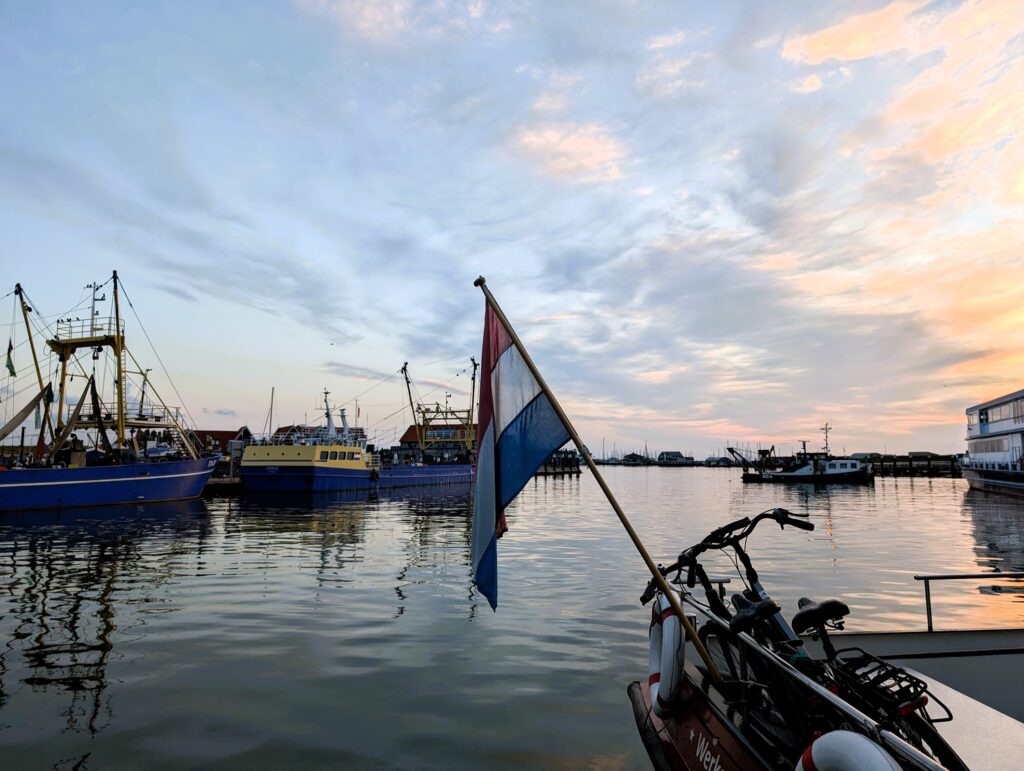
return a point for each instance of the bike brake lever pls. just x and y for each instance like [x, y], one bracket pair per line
[788, 513]
[649, 592]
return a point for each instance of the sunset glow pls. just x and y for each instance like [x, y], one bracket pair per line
[710, 223]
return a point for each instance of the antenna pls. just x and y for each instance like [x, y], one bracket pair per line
[825, 429]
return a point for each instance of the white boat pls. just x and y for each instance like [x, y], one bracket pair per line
[995, 445]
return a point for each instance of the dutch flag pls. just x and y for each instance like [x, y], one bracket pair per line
[516, 431]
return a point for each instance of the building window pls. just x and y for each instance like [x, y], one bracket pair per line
[1001, 444]
[831, 465]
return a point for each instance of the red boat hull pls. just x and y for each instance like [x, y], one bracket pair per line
[695, 738]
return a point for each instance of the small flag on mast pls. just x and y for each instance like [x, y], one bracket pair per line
[517, 430]
[10, 357]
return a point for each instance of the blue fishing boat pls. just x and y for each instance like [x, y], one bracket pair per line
[327, 458]
[152, 456]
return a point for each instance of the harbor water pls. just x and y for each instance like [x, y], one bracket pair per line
[345, 631]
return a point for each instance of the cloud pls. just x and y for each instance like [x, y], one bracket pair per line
[768, 260]
[225, 411]
[890, 28]
[555, 98]
[667, 77]
[669, 41]
[587, 152]
[209, 258]
[391, 21]
[359, 373]
[807, 85]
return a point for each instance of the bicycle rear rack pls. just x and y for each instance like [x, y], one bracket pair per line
[885, 685]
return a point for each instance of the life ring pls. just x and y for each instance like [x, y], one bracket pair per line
[845, 751]
[668, 653]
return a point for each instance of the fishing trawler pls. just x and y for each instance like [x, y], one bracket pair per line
[995, 445]
[66, 470]
[325, 458]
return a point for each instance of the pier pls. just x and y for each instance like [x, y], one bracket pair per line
[560, 463]
[916, 464]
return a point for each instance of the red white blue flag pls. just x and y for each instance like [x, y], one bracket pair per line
[516, 431]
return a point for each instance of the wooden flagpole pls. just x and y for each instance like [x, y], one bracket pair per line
[659, 579]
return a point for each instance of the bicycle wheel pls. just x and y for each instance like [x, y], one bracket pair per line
[922, 734]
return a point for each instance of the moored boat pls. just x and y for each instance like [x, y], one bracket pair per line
[995, 445]
[60, 472]
[326, 458]
[816, 468]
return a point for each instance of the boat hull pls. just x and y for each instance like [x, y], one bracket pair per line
[695, 738]
[993, 481]
[859, 477]
[315, 478]
[131, 483]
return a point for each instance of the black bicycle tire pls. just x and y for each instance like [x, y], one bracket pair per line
[937, 746]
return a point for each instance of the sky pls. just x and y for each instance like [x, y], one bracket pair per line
[711, 223]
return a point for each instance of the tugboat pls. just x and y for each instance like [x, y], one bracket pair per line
[805, 467]
[61, 472]
[995, 445]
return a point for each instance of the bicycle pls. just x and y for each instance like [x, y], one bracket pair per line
[775, 711]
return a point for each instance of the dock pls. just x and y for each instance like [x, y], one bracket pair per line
[915, 465]
[223, 486]
[560, 463]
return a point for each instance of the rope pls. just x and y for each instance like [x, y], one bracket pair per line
[157, 354]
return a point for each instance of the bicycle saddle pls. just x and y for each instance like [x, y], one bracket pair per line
[814, 614]
[748, 613]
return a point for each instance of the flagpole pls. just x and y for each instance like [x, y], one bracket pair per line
[659, 579]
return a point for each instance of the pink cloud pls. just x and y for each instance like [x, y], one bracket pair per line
[586, 152]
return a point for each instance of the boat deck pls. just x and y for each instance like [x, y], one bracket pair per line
[984, 738]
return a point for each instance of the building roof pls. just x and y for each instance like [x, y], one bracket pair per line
[411, 436]
[998, 400]
[223, 437]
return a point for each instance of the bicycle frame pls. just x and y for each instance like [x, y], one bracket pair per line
[871, 728]
[775, 645]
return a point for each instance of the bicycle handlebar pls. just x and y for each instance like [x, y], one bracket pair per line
[722, 537]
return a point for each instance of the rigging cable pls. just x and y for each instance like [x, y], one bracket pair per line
[157, 354]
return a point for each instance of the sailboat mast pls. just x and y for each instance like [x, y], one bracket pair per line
[415, 420]
[32, 345]
[60, 398]
[472, 404]
[118, 349]
[270, 420]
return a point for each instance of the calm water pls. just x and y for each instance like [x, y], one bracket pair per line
[346, 633]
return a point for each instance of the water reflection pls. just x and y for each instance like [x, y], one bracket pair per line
[61, 572]
[999, 536]
[441, 530]
[241, 632]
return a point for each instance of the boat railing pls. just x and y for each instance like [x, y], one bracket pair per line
[75, 329]
[149, 414]
[315, 436]
[957, 577]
